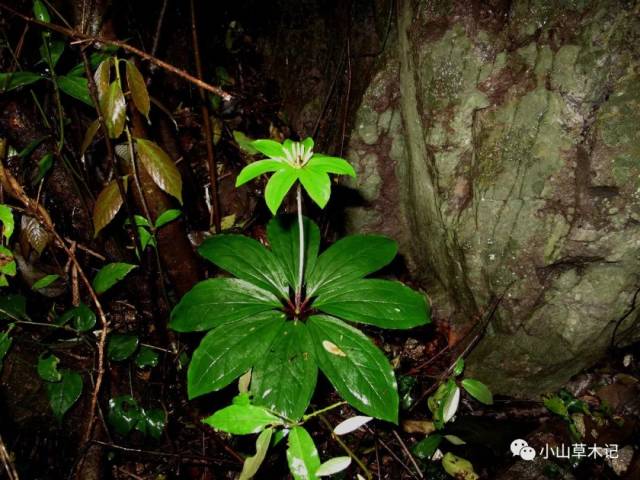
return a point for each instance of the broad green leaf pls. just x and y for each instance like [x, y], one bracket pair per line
[48, 368]
[256, 169]
[335, 165]
[56, 48]
[284, 380]
[121, 346]
[45, 281]
[383, 303]
[425, 448]
[146, 358]
[243, 141]
[302, 455]
[107, 206]
[13, 307]
[218, 301]
[458, 467]
[242, 419]
[138, 89]
[333, 466]
[278, 186]
[284, 237]
[478, 390]
[270, 148]
[227, 352]
[358, 370]
[92, 129]
[160, 167]
[78, 88]
[124, 414]
[317, 184]
[246, 259]
[102, 77]
[252, 464]
[167, 216]
[81, 317]
[111, 274]
[8, 224]
[555, 405]
[5, 345]
[350, 258]
[13, 80]
[114, 109]
[40, 11]
[63, 394]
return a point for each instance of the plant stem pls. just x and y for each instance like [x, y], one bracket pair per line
[301, 251]
[323, 410]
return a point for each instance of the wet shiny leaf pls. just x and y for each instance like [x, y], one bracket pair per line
[65, 393]
[160, 167]
[302, 455]
[111, 274]
[120, 347]
[107, 206]
[48, 368]
[138, 89]
[13, 80]
[76, 87]
[114, 109]
[242, 419]
[82, 318]
[146, 358]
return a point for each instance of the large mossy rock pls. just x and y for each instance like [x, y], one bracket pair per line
[500, 144]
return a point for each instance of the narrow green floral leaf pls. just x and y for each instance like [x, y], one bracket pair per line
[111, 274]
[12, 80]
[8, 224]
[121, 346]
[76, 87]
[63, 394]
[45, 281]
[160, 167]
[106, 207]
[335, 165]
[256, 169]
[350, 258]
[478, 390]
[283, 234]
[278, 186]
[270, 148]
[218, 301]
[382, 303]
[246, 259]
[285, 378]
[138, 89]
[317, 184]
[48, 368]
[167, 216]
[82, 318]
[243, 141]
[358, 370]
[308, 143]
[102, 77]
[146, 358]
[242, 419]
[114, 109]
[302, 455]
[252, 464]
[227, 352]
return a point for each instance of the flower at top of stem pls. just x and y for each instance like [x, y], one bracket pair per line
[297, 154]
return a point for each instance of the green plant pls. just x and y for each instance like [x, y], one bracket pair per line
[283, 316]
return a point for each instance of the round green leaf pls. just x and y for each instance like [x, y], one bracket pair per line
[124, 414]
[82, 318]
[109, 275]
[48, 368]
[8, 224]
[217, 301]
[121, 347]
[146, 357]
[63, 394]
[425, 448]
[478, 390]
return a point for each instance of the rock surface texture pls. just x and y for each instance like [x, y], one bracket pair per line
[500, 144]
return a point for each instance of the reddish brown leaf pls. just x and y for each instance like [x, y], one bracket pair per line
[107, 206]
[161, 168]
[138, 89]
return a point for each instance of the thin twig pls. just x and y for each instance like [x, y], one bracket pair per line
[9, 467]
[391, 452]
[156, 37]
[125, 46]
[408, 453]
[214, 219]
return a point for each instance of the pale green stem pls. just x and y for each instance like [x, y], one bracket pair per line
[322, 410]
[301, 249]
